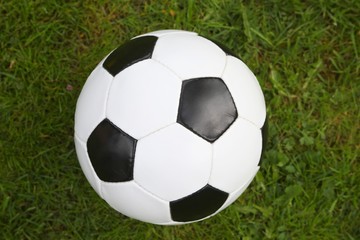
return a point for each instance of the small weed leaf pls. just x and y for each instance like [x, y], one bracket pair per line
[307, 140]
[290, 169]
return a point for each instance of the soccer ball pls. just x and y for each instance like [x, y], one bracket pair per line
[169, 127]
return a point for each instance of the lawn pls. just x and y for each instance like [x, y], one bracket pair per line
[305, 55]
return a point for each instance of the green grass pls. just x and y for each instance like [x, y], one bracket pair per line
[305, 55]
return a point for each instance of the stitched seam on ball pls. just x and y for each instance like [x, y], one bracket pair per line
[212, 162]
[149, 192]
[78, 137]
[92, 168]
[107, 97]
[249, 121]
[223, 70]
[157, 130]
[167, 67]
[238, 116]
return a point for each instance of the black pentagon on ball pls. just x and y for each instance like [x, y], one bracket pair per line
[264, 135]
[206, 107]
[111, 152]
[133, 51]
[198, 205]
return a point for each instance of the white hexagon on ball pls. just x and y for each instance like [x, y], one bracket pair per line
[246, 91]
[207, 59]
[135, 202]
[172, 162]
[235, 155]
[143, 98]
[91, 104]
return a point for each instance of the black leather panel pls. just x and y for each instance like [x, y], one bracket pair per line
[206, 107]
[129, 53]
[264, 135]
[111, 152]
[198, 205]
